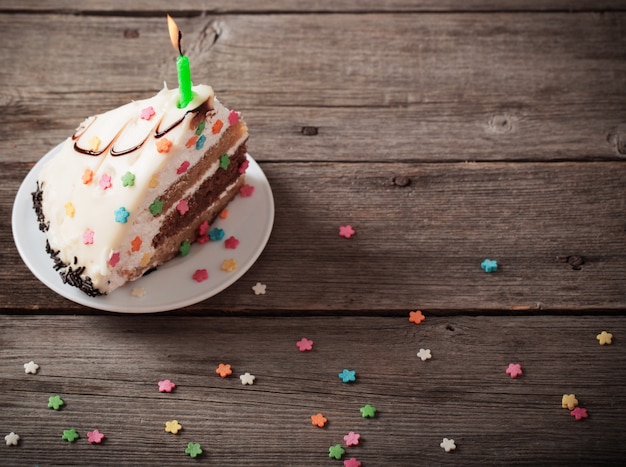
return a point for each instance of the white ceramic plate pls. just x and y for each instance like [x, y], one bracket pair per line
[171, 286]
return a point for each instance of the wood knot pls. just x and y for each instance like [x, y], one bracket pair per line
[401, 180]
[575, 262]
[617, 138]
[500, 124]
[309, 130]
[131, 33]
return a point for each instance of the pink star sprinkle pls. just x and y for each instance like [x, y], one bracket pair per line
[147, 113]
[514, 370]
[304, 344]
[95, 437]
[88, 237]
[579, 413]
[243, 167]
[200, 275]
[231, 243]
[202, 239]
[182, 168]
[233, 117]
[182, 207]
[346, 231]
[105, 181]
[166, 385]
[352, 439]
[203, 228]
[352, 462]
[114, 259]
[246, 190]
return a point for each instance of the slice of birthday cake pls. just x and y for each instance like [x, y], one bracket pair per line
[133, 185]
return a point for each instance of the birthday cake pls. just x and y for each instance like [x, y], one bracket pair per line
[130, 189]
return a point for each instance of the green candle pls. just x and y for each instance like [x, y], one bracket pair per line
[182, 65]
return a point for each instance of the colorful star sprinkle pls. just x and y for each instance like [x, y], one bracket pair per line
[217, 126]
[416, 317]
[514, 370]
[193, 450]
[173, 427]
[224, 370]
[156, 207]
[231, 243]
[243, 166]
[114, 259]
[448, 444]
[31, 367]
[70, 435]
[166, 385]
[424, 354]
[352, 462]
[216, 234]
[246, 191]
[163, 146]
[259, 289]
[145, 259]
[182, 168]
[318, 420]
[200, 275]
[200, 142]
[247, 379]
[489, 265]
[70, 210]
[138, 292]
[579, 413]
[105, 182]
[121, 215]
[93, 144]
[184, 248]
[95, 437]
[336, 451]
[128, 179]
[147, 113]
[604, 338]
[224, 161]
[200, 128]
[569, 401]
[55, 402]
[229, 265]
[87, 176]
[203, 228]
[88, 237]
[233, 117]
[346, 231]
[304, 345]
[368, 411]
[347, 376]
[182, 207]
[12, 439]
[352, 439]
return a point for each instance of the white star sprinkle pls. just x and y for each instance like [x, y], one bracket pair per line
[138, 292]
[12, 439]
[31, 367]
[259, 289]
[247, 378]
[424, 354]
[448, 444]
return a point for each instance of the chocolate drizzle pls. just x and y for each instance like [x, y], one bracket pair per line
[200, 113]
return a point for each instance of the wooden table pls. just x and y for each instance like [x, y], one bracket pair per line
[445, 133]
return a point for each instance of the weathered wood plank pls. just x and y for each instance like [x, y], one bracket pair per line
[190, 7]
[416, 245]
[443, 87]
[106, 369]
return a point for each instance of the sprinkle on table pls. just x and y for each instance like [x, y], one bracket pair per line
[347, 376]
[416, 316]
[224, 370]
[604, 338]
[489, 265]
[55, 402]
[352, 439]
[70, 435]
[579, 413]
[336, 451]
[318, 420]
[12, 439]
[166, 385]
[346, 231]
[424, 354]
[368, 411]
[247, 379]
[259, 289]
[31, 367]
[569, 401]
[352, 462]
[95, 437]
[448, 444]
[193, 450]
[514, 370]
[304, 345]
[173, 427]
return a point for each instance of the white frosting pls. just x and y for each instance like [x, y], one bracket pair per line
[94, 206]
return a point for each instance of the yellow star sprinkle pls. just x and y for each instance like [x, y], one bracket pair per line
[94, 144]
[569, 401]
[154, 182]
[604, 338]
[69, 209]
[145, 259]
[229, 265]
[173, 426]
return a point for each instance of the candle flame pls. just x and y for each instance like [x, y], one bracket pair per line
[175, 34]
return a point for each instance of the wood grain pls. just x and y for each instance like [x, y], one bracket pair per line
[106, 369]
[417, 245]
[402, 87]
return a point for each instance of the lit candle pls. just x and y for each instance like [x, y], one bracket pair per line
[182, 65]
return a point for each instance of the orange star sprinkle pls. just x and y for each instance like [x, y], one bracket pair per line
[87, 176]
[318, 420]
[136, 244]
[164, 145]
[224, 214]
[416, 317]
[224, 370]
[191, 141]
[217, 126]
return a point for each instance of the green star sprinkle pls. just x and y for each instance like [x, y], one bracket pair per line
[128, 179]
[55, 402]
[70, 435]
[184, 248]
[224, 161]
[336, 451]
[200, 128]
[368, 411]
[193, 450]
[156, 207]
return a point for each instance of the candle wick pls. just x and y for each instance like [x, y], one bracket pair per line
[180, 37]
